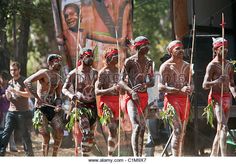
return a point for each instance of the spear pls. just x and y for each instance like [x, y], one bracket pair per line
[119, 65]
[119, 62]
[78, 49]
[167, 144]
[222, 84]
[189, 83]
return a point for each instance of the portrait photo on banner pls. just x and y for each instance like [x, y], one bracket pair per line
[97, 25]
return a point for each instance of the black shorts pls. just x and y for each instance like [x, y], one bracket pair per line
[48, 112]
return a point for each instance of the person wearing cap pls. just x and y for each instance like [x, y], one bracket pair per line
[107, 87]
[18, 111]
[215, 80]
[174, 83]
[48, 102]
[83, 100]
[136, 76]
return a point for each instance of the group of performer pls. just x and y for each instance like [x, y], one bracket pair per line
[84, 83]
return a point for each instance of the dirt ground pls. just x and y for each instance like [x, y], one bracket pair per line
[67, 147]
[100, 148]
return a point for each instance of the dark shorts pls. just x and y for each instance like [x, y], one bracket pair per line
[48, 112]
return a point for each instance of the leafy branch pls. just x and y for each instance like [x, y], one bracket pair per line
[106, 115]
[234, 64]
[208, 111]
[168, 114]
[37, 119]
[76, 114]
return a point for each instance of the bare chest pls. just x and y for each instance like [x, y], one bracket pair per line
[50, 82]
[176, 76]
[109, 78]
[217, 70]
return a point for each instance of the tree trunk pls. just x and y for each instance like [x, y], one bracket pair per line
[4, 55]
[180, 18]
[23, 39]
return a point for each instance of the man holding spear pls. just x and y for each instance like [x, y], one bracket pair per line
[219, 78]
[213, 80]
[107, 87]
[174, 83]
[136, 76]
[84, 111]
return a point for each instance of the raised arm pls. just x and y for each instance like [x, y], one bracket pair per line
[33, 78]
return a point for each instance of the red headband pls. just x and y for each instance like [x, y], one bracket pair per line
[175, 45]
[142, 42]
[56, 59]
[219, 44]
[109, 54]
[85, 53]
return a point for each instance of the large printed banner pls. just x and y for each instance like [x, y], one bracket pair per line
[96, 24]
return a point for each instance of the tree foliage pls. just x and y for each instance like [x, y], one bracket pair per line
[4, 60]
[37, 41]
[151, 18]
[42, 39]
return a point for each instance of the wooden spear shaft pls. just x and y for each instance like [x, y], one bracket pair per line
[78, 49]
[189, 84]
[119, 66]
[167, 144]
[222, 84]
[119, 124]
[223, 66]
